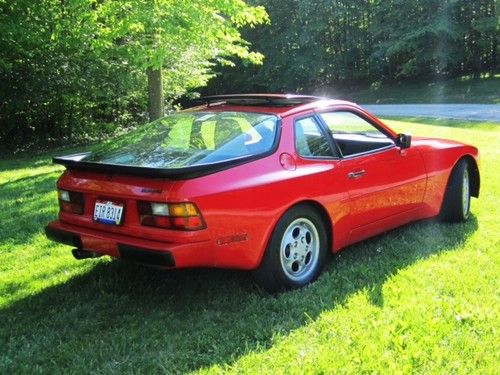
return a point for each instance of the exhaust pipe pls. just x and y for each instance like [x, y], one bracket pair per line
[84, 254]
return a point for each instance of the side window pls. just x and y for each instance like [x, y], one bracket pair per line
[310, 140]
[353, 134]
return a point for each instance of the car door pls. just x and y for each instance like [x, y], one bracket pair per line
[382, 179]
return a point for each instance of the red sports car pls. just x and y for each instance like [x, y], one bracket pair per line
[269, 183]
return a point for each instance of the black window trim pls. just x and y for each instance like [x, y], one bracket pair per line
[324, 131]
[364, 117]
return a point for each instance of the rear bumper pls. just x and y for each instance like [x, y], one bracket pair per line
[151, 252]
[63, 236]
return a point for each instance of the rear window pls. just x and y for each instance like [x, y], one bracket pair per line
[189, 139]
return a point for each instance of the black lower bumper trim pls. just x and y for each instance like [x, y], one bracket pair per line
[64, 237]
[146, 256]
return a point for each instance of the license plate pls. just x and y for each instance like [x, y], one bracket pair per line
[108, 212]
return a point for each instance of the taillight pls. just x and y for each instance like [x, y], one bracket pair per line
[71, 201]
[180, 216]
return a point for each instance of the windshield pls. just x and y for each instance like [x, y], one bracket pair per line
[189, 139]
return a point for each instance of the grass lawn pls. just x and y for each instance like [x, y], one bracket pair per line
[420, 299]
[455, 91]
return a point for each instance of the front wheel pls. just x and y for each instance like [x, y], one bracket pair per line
[296, 251]
[456, 203]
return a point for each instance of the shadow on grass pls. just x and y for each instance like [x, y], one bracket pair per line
[10, 164]
[36, 158]
[120, 317]
[15, 184]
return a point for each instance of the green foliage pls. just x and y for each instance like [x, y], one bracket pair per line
[420, 299]
[309, 44]
[53, 87]
[318, 45]
[75, 70]
[424, 38]
[183, 38]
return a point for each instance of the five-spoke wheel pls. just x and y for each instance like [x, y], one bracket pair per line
[299, 250]
[296, 250]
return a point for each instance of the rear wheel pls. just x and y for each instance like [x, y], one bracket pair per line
[296, 251]
[456, 203]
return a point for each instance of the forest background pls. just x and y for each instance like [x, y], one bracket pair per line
[78, 71]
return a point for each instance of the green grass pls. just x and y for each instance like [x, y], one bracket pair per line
[484, 90]
[420, 299]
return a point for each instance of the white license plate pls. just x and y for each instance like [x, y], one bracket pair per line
[107, 212]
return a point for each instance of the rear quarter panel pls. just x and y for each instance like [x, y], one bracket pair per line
[242, 205]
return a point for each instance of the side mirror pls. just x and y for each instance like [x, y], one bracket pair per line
[403, 140]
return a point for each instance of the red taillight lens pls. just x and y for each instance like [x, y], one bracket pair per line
[180, 216]
[71, 201]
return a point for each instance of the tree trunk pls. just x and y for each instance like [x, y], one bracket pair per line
[493, 61]
[155, 91]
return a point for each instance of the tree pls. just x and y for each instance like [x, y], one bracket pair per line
[318, 45]
[310, 45]
[75, 70]
[175, 42]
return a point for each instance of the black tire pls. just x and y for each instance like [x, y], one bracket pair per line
[296, 251]
[456, 202]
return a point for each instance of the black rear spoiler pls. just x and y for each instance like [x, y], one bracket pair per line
[75, 162]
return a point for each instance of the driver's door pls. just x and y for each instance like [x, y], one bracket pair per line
[382, 179]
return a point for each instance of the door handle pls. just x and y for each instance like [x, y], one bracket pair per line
[357, 174]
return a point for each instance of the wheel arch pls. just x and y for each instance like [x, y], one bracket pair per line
[475, 179]
[321, 210]
[454, 208]
[318, 208]
[274, 280]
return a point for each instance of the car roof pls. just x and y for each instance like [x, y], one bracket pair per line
[278, 104]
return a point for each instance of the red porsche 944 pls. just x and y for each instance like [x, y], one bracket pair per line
[269, 183]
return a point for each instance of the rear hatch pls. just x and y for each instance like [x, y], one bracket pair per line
[183, 145]
[123, 185]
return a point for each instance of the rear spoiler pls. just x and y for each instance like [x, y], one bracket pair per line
[76, 162]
